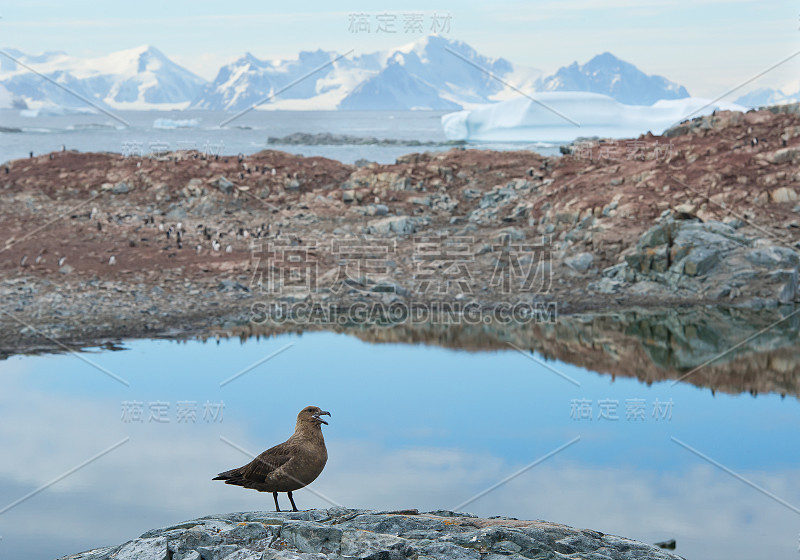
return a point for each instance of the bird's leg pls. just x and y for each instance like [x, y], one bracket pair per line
[275, 495]
[294, 507]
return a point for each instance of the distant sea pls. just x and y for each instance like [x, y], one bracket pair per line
[151, 132]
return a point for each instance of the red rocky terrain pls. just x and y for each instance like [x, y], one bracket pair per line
[98, 245]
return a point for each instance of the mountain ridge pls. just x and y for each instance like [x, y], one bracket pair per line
[423, 74]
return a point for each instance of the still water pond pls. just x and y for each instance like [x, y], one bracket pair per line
[412, 426]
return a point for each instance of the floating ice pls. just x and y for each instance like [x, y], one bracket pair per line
[564, 116]
[171, 124]
[56, 111]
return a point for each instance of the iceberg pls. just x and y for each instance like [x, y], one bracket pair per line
[172, 124]
[56, 111]
[566, 115]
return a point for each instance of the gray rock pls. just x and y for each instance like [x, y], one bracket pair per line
[381, 209]
[121, 188]
[401, 225]
[188, 555]
[509, 234]
[223, 185]
[155, 548]
[231, 286]
[783, 155]
[217, 552]
[339, 533]
[369, 545]
[773, 257]
[580, 262]
[198, 536]
[606, 286]
[786, 281]
[656, 235]
[66, 269]
[176, 213]
[307, 536]
[248, 532]
[700, 260]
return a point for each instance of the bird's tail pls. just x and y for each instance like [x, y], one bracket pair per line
[228, 475]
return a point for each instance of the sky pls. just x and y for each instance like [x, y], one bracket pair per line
[709, 46]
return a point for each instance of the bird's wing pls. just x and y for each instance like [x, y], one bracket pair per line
[267, 463]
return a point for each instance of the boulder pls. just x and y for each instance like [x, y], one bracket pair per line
[368, 535]
[700, 260]
[783, 194]
[223, 185]
[401, 225]
[580, 262]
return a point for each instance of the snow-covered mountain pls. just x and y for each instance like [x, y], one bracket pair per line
[139, 78]
[430, 73]
[249, 80]
[789, 93]
[420, 75]
[607, 74]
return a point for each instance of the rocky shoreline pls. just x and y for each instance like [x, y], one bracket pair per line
[331, 139]
[184, 243]
[371, 535]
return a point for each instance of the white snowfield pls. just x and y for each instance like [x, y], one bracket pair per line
[566, 115]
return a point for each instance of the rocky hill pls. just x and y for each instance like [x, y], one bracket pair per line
[707, 213]
[371, 535]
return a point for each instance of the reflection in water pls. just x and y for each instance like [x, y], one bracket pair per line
[424, 427]
[725, 349]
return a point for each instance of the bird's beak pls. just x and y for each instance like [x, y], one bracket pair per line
[322, 413]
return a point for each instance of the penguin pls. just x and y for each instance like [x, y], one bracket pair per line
[112, 260]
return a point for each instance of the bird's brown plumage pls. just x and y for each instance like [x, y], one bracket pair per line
[290, 465]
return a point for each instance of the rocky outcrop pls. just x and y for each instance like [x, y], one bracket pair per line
[710, 260]
[339, 533]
